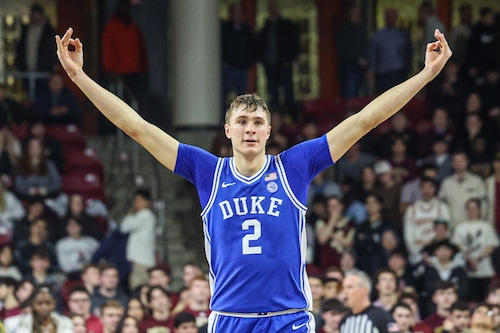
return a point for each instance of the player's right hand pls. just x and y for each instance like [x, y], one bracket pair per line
[72, 61]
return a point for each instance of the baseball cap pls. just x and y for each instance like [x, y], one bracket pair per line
[381, 167]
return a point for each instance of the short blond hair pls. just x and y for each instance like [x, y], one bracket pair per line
[252, 102]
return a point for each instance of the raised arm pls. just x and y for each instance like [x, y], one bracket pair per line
[161, 145]
[345, 134]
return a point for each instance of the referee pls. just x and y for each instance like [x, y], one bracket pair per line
[363, 317]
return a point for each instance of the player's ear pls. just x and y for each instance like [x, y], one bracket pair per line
[226, 131]
[269, 131]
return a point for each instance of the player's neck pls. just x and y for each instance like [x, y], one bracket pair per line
[249, 165]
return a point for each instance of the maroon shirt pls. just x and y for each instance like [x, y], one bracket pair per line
[152, 325]
[94, 324]
[434, 321]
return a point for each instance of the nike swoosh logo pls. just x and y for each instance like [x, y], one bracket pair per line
[296, 327]
[224, 185]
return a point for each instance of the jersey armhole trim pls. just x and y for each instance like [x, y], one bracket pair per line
[215, 186]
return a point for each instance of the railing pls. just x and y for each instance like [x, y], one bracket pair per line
[31, 77]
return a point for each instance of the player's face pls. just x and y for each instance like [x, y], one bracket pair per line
[460, 320]
[403, 318]
[248, 131]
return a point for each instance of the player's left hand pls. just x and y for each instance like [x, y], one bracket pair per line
[437, 53]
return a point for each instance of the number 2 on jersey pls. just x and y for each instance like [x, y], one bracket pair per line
[245, 242]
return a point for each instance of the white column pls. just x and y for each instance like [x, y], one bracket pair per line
[196, 63]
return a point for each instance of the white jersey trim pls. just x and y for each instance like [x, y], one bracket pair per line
[215, 186]
[251, 179]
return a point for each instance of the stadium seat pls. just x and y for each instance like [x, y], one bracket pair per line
[68, 136]
[87, 184]
[85, 161]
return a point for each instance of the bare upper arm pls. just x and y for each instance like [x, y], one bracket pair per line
[160, 144]
[347, 133]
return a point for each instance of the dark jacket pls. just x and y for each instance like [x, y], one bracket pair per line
[47, 58]
[287, 39]
[238, 45]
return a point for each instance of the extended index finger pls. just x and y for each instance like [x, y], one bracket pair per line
[441, 38]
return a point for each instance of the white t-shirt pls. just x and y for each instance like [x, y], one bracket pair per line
[473, 237]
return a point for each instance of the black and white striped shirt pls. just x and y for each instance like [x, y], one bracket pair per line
[370, 320]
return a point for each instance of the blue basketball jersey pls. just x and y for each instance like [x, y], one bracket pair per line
[254, 227]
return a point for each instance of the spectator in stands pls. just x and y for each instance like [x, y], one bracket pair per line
[278, 47]
[190, 270]
[483, 37]
[348, 263]
[357, 192]
[387, 289]
[350, 166]
[9, 155]
[458, 319]
[78, 324]
[75, 250]
[79, 304]
[476, 240]
[460, 187]
[444, 294]
[57, 104]
[368, 236]
[90, 277]
[491, 100]
[441, 159]
[159, 304]
[128, 325]
[124, 52]
[185, 323]
[477, 143]
[159, 276]
[238, 53]
[398, 263]
[411, 190]
[404, 166]
[496, 318]
[7, 268]
[331, 288]
[332, 312]
[418, 222]
[334, 235]
[443, 266]
[40, 263]
[449, 91]
[12, 114]
[36, 176]
[481, 319]
[389, 190]
[321, 184]
[441, 128]
[37, 239]
[111, 313]
[36, 210]
[76, 210]
[389, 55]
[400, 129]
[140, 224]
[493, 194]
[35, 51]
[316, 285]
[352, 48]
[43, 317]
[403, 316]
[459, 35]
[199, 300]
[429, 21]
[52, 146]
[108, 289]
[136, 309]
[441, 230]
[11, 211]
[411, 299]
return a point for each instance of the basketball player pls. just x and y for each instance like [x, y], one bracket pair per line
[253, 204]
